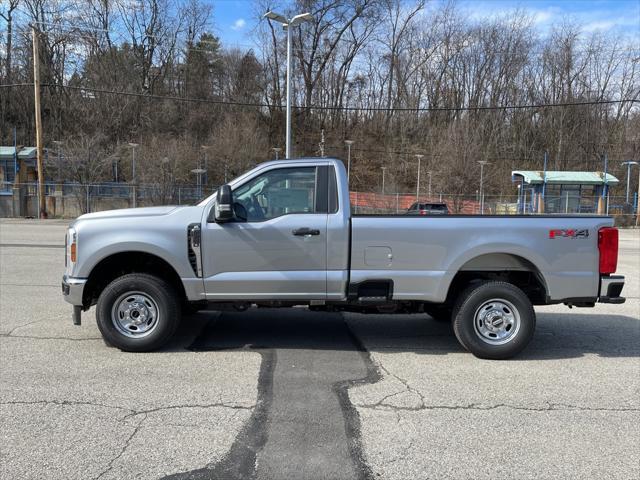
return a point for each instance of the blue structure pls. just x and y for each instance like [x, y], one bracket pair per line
[562, 192]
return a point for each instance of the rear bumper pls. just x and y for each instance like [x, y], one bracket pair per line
[72, 289]
[610, 289]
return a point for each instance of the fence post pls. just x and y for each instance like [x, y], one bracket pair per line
[179, 198]
[397, 202]
[88, 204]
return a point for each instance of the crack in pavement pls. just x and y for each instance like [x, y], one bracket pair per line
[131, 414]
[10, 332]
[31, 245]
[112, 462]
[478, 406]
[63, 403]
[195, 405]
[34, 337]
[383, 405]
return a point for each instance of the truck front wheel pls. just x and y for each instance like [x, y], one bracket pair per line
[494, 320]
[138, 312]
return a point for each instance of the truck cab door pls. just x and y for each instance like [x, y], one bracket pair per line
[279, 250]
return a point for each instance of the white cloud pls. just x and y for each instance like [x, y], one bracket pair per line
[543, 16]
[598, 25]
[590, 15]
[239, 24]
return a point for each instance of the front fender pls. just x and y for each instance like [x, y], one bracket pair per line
[99, 252]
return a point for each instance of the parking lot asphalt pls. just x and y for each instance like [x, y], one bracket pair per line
[290, 393]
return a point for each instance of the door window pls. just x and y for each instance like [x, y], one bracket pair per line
[278, 192]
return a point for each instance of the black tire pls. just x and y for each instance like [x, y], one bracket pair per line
[503, 304]
[165, 304]
[439, 313]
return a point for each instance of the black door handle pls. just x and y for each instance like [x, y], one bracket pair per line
[303, 232]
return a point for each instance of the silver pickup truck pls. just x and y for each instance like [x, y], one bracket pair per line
[283, 234]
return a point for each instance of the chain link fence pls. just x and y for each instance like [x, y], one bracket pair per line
[400, 203]
[69, 200]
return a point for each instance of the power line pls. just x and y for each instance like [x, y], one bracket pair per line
[327, 108]
[162, 97]
[366, 109]
[10, 85]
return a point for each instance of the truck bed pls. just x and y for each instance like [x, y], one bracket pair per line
[421, 255]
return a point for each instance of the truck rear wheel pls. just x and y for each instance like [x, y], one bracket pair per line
[494, 320]
[138, 312]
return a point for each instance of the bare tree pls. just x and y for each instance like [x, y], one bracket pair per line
[87, 163]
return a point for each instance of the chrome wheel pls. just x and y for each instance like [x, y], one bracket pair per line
[496, 322]
[135, 314]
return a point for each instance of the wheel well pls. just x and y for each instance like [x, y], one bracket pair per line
[118, 264]
[501, 267]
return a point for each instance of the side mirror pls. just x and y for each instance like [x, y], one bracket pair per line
[224, 204]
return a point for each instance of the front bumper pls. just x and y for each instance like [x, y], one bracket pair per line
[72, 289]
[610, 289]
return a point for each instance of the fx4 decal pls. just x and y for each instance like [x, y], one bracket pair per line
[569, 233]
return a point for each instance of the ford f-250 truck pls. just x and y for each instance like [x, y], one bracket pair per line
[283, 234]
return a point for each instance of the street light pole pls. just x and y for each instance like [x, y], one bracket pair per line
[629, 164]
[482, 164]
[206, 168]
[429, 173]
[133, 171]
[199, 172]
[58, 143]
[383, 170]
[419, 157]
[348, 143]
[288, 125]
[287, 24]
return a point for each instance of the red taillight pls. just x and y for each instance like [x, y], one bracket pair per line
[608, 247]
[423, 212]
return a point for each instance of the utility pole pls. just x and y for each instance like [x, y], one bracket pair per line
[419, 157]
[36, 87]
